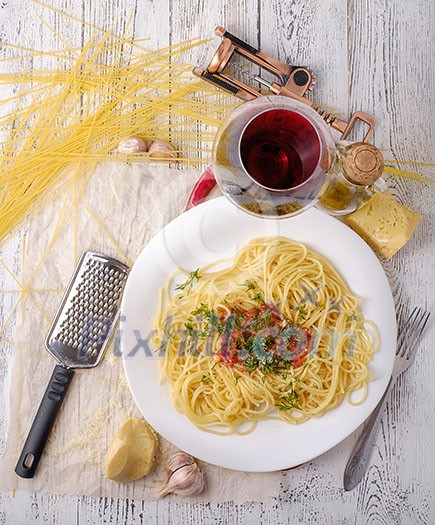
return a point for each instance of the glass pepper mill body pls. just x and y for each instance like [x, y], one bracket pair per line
[356, 175]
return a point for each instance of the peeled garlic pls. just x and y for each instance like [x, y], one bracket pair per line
[132, 145]
[184, 476]
[160, 150]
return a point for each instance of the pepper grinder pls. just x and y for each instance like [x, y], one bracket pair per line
[359, 166]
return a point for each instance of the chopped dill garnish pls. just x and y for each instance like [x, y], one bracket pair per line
[274, 366]
[290, 400]
[259, 298]
[302, 311]
[212, 321]
[188, 284]
[203, 310]
[249, 284]
[206, 379]
[259, 339]
[188, 326]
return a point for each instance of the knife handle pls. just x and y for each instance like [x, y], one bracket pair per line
[44, 421]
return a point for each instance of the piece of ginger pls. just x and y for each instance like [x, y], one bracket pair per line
[130, 456]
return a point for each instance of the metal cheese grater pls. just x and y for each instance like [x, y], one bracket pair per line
[77, 339]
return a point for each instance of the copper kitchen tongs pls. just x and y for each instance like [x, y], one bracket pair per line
[291, 81]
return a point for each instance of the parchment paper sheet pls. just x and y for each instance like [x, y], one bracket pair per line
[117, 213]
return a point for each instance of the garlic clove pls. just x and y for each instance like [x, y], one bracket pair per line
[177, 460]
[132, 145]
[185, 481]
[195, 487]
[160, 150]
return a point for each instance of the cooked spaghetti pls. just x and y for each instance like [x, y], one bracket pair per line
[277, 334]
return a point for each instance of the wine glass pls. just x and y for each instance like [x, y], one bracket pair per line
[272, 157]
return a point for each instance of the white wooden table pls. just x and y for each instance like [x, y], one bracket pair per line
[374, 55]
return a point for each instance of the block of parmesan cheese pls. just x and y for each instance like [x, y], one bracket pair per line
[131, 454]
[383, 223]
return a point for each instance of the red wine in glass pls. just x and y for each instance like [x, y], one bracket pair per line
[280, 149]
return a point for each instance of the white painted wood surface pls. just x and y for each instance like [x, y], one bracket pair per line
[375, 55]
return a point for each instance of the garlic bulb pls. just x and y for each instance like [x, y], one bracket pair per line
[160, 150]
[184, 477]
[177, 460]
[132, 145]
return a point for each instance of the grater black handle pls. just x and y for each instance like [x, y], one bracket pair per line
[44, 421]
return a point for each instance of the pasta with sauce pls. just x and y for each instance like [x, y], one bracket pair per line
[276, 334]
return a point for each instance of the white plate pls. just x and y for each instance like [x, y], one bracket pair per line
[214, 230]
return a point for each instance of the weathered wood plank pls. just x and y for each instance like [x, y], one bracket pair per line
[311, 34]
[391, 68]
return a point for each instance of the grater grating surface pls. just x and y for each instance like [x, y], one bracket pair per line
[86, 317]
